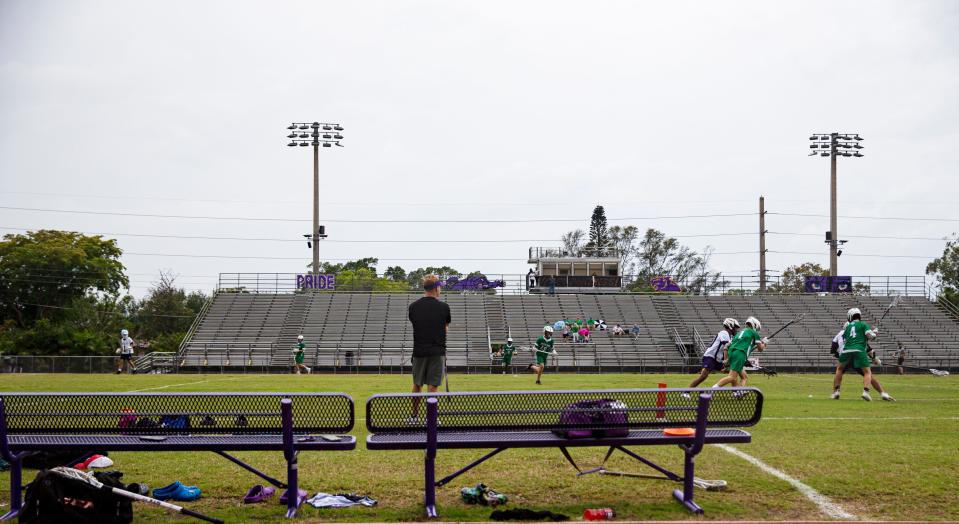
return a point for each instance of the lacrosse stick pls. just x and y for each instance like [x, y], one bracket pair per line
[87, 478]
[894, 303]
[708, 485]
[934, 371]
[786, 325]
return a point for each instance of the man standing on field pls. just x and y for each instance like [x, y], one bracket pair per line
[431, 321]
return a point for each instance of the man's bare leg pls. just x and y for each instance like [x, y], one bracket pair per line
[731, 378]
[703, 373]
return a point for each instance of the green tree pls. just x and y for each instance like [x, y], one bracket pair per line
[395, 273]
[598, 231]
[363, 263]
[44, 271]
[945, 269]
[415, 277]
[365, 279]
[623, 239]
[573, 242]
[793, 278]
[165, 315]
[660, 255]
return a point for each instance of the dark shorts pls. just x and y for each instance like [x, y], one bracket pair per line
[712, 364]
[126, 356]
[428, 370]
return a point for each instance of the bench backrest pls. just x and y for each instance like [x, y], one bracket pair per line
[541, 410]
[173, 413]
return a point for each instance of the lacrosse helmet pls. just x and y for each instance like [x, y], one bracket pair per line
[124, 333]
[300, 337]
[754, 323]
[853, 312]
[731, 323]
[548, 329]
[510, 340]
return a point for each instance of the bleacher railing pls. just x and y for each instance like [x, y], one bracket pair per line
[726, 284]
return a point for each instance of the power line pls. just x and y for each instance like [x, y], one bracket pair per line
[47, 306]
[391, 221]
[857, 236]
[384, 241]
[875, 255]
[863, 217]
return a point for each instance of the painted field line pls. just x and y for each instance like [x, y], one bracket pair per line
[827, 506]
[183, 384]
[860, 418]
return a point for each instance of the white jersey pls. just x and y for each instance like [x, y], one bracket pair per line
[839, 340]
[718, 349]
[126, 345]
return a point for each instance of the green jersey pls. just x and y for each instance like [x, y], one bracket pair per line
[508, 350]
[544, 345]
[298, 353]
[745, 340]
[854, 336]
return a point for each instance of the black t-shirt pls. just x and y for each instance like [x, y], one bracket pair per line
[429, 317]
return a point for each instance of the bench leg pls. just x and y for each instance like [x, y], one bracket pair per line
[445, 480]
[293, 488]
[429, 463]
[685, 496]
[251, 469]
[16, 487]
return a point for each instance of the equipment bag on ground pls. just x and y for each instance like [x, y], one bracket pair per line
[52, 499]
[601, 412]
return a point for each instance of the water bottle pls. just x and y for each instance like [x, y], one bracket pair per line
[599, 514]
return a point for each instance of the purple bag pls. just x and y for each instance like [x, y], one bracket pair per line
[599, 412]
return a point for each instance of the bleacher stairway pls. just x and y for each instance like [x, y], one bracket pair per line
[370, 332]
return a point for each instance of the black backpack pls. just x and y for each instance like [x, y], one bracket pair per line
[54, 499]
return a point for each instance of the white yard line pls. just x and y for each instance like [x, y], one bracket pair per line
[860, 418]
[183, 384]
[827, 506]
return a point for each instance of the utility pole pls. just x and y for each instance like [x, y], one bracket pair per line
[832, 145]
[762, 244]
[328, 137]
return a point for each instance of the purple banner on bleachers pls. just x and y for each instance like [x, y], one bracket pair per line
[316, 282]
[474, 283]
[664, 284]
[821, 284]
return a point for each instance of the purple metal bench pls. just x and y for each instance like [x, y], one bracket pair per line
[217, 422]
[529, 419]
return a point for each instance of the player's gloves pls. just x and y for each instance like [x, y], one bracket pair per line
[878, 362]
[118, 351]
[765, 340]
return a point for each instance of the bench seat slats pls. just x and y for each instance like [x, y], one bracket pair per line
[172, 443]
[538, 439]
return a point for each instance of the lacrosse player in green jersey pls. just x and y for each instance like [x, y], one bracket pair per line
[543, 348]
[854, 352]
[299, 356]
[507, 353]
[738, 351]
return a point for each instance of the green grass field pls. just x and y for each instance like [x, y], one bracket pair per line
[878, 460]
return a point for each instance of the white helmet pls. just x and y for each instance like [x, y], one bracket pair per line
[548, 329]
[754, 322]
[299, 337]
[124, 333]
[851, 312]
[731, 323]
[510, 340]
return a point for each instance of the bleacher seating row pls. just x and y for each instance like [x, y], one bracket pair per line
[371, 332]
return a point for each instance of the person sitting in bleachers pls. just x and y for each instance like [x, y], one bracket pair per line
[617, 331]
[634, 331]
[566, 333]
[584, 334]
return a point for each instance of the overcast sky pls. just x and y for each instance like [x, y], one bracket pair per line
[477, 110]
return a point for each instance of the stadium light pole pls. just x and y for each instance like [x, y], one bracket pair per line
[834, 145]
[316, 134]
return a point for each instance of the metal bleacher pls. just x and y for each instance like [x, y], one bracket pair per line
[370, 332]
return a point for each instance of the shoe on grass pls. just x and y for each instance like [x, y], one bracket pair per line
[835, 395]
[887, 397]
[866, 397]
[258, 493]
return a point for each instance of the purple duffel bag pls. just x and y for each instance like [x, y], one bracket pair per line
[599, 412]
